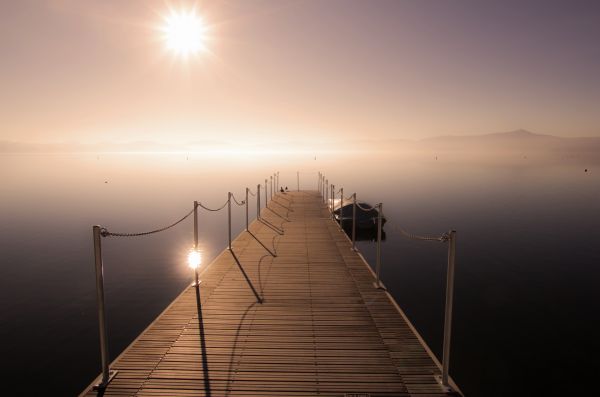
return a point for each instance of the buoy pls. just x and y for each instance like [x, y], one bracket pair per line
[586, 170]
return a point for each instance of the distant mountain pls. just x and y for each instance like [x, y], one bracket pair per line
[518, 141]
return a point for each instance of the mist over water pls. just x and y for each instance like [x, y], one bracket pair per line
[526, 278]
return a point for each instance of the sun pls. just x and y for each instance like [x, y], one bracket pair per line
[184, 33]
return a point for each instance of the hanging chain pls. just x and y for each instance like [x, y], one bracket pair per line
[105, 233]
[212, 209]
[237, 202]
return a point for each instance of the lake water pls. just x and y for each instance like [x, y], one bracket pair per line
[527, 271]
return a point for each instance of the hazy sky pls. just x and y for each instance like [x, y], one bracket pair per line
[93, 71]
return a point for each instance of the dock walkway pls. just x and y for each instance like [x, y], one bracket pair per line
[322, 328]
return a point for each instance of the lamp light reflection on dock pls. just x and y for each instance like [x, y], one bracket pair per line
[194, 262]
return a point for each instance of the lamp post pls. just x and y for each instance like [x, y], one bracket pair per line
[194, 256]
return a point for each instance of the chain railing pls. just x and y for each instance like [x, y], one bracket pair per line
[328, 192]
[100, 232]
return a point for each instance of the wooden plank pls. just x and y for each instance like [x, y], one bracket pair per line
[322, 328]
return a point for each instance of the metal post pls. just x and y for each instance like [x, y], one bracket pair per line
[326, 197]
[229, 217]
[246, 209]
[319, 182]
[321, 185]
[298, 179]
[196, 283]
[332, 199]
[107, 374]
[449, 298]
[266, 192]
[378, 263]
[354, 221]
[341, 205]
[195, 225]
[258, 201]
[271, 187]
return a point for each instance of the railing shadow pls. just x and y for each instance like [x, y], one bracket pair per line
[288, 209]
[205, 370]
[234, 347]
[237, 261]
[271, 226]
[272, 253]
[279, 215]
[282, 196]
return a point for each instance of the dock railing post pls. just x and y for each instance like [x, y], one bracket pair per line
[196, 283]
[271, 187]
[247, 209]
[332, 206]
[266, 192]
[449, 299]
[326, 197]
[354, 221]
[107, 374]
[298, 179]
[258, 201]
[378, 263]
[319, 183]
[341, 210]
[229, 218]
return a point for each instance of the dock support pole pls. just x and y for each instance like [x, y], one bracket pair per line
[341, 208]
[247, 209]
[449, 299]
[258, 201]
[378, 263]
[266, 192]
[319, 183]
[229, 217]
[298, 179]
[271, 187]
[196, 283]
[332, 206]
[326, 197]
[354, 221]
[107, 374]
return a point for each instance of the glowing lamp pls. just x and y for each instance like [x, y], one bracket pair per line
[194, 259]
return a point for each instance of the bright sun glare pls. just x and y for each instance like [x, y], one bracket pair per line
[184, 33]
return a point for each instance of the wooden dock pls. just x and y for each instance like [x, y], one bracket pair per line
[322, 328]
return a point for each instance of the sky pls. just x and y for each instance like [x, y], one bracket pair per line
[298, 71]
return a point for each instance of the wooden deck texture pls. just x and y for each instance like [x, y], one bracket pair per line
[321, 330]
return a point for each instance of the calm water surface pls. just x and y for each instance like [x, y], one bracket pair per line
[527, 257]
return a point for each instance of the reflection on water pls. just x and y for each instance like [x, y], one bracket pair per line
[363, 234]
[526, 281]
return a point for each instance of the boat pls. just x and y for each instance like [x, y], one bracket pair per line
[364, 219]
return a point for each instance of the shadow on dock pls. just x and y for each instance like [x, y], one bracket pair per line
[230, 371]
[272, 253]
[205, 370]
[237, 261]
